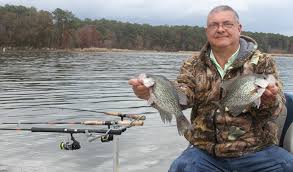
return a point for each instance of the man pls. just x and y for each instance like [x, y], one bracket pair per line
[228, 55]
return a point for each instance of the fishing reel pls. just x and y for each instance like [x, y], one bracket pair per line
[104, 137]
[74, 145]
[107, 138]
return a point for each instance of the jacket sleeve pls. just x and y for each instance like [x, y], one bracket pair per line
[186, 81]
[266, 65]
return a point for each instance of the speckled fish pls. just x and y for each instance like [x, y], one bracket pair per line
[242, 92]
[166, 99]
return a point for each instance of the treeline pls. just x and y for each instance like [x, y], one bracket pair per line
[24, 27]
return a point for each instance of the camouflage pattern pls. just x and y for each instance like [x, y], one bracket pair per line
[224, 135]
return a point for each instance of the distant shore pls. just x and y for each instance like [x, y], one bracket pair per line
[282, 55]
[94, 49]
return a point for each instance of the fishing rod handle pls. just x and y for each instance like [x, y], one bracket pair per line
[132, 116]
[71, 130]
[136, 116]
[132, 123]
[97, 122]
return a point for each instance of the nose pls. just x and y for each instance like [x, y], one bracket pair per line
[220, 28]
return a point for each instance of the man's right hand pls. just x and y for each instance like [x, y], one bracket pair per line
[139, 89]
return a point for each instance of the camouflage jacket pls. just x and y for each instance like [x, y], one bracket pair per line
[223, 135]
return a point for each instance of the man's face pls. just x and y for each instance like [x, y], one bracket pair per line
[223, 30]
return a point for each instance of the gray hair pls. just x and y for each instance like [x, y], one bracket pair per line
[224, 8]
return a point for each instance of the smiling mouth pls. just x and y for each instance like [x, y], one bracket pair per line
[220, 37]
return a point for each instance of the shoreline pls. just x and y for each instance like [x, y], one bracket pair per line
[281, 55]
[94, 49]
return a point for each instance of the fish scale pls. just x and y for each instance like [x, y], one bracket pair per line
[166, 99]
[241, 92]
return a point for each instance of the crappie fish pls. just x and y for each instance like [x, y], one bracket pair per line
[242, 92]
[166, 99]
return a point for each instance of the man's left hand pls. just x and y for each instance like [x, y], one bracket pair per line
[269, 96]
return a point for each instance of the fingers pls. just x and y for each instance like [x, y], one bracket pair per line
[270, 93]
[134, 82]
[139, 89]
[271, 90]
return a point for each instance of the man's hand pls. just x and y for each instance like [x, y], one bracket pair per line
[139, 89]
[269, 96]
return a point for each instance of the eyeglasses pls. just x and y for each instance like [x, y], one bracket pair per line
[215, 26]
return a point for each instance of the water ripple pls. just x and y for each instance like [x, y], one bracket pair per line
[80, 86]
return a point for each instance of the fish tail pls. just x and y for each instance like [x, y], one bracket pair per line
[183, 125]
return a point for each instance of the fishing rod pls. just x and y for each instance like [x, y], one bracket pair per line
[106, 137]
[74, 145]
[96, 122]
[107, 134]
[119, 114]
[125, 115]
[69, 130]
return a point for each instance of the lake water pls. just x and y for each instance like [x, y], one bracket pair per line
[69, 87]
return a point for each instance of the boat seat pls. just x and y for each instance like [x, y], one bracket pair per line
[285, 124]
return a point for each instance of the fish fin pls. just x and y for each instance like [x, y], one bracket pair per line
[260, 91]
[168, 117]
[257, 102]
[236, 110]
[257, 91]
[183, 125]
[182, 97]
[150, 101]
[221, 109]
[165, 116]
[254, 91]
[152, 98]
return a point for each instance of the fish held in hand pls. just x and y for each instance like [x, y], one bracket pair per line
[242, 92]
[166, 98]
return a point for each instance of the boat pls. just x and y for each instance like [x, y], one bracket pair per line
[285, 125]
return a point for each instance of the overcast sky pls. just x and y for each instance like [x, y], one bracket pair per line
[272, 16]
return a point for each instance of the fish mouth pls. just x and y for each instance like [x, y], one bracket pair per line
[267, 80]
[148, 82]
[141, 77]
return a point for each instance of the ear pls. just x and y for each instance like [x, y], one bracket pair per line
[240, 28]
[206, 31]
